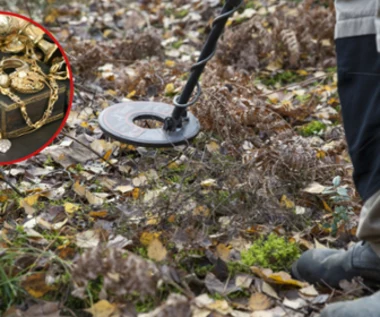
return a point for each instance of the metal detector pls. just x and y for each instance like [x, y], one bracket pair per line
[179, 125]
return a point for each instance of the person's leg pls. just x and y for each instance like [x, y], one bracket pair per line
[359, 92]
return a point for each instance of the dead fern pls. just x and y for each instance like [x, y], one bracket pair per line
[122, 273]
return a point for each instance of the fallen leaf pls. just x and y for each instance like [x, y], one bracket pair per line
[286, 202]
[281, 278]
[259, 301]
[208, 183]
[243, 281]
[309, 291]
[147, 237]
[156, 250]
[98, 214]
[104, 308]
[88, 239]
[223, 252]
[269, 290]
[213, 147]
[35, 285]
[314, 188]
[79, 189]
[70, 208]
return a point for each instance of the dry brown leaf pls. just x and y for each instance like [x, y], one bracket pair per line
[269, 290]
[259, 301]
[98, 214]
[88, 239]
[35, 285]
[79, 189]
[156, 250]
[309, 291]
[223, 252]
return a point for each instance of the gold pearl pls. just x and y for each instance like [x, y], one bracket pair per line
[4, 80]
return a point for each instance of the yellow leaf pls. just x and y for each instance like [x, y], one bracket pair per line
[229, 22]
[326, 206]
[213, 147]
[173, 166]
[281, 278]
[321, 154]
[259, 301]
[221, 306]
[147, 237]
[107, 155]
[286, 202]
[156, 250]
[169, 63]
[32, 200]
[302, 72]
[104, 308]
[153, 220]
[284, 278]
[131, 94]
[136, 193]
[98, 214]
[70, 208]
[107, 32]
[169, 89]
[84, 124]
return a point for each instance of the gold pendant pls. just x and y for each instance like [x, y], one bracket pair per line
[26, 81]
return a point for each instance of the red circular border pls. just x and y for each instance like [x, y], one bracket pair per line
[71, 89]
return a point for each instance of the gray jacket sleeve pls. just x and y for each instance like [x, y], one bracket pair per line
[357, 17]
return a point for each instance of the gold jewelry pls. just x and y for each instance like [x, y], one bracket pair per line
[18, 36]
[19, 80]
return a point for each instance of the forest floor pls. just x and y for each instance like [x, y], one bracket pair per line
[206, 229]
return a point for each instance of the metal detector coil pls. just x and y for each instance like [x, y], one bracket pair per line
[179, 126]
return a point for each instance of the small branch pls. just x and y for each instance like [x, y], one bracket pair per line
[90, 149]
[5, 179]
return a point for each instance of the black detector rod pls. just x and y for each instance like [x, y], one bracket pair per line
[182, 102]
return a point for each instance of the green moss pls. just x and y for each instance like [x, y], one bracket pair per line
[146, 305]
[237, 267]
[177, 44]
[181, 14]
[312, 128]
[281, 78]
[273, 252]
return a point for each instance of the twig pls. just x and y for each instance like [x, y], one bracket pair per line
[301, 84]
[90, 149]
[5, 179]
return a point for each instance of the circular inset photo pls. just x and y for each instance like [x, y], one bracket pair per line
[36, 88]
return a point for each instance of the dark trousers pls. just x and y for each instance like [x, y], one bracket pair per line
[359, 92]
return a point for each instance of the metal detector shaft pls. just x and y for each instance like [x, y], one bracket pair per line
[207, 53]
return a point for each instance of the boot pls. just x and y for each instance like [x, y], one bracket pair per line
[331, 266]
[363, 307]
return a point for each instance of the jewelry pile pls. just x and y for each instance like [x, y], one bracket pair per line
[25, 49]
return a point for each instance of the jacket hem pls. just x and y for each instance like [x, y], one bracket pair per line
[355, 27]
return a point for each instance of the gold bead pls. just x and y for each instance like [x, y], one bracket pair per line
[4, 80]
